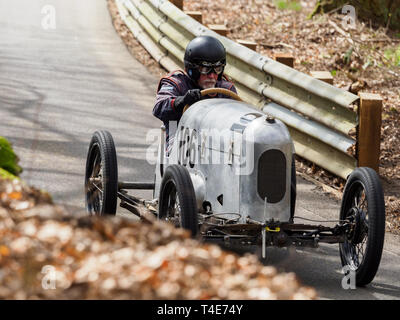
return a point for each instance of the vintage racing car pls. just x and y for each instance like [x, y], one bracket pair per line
[229, 175]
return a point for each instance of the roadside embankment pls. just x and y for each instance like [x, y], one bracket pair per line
[47, 253]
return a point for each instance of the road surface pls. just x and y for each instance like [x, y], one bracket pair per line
[57, 86]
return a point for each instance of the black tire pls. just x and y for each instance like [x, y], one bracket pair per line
[101, 178]
[363, 203]
[177, 184]
[293, 190]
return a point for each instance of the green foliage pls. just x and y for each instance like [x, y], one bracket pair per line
[333, 73]
[393, 56]
[288, 4]
[347, 55]
[367, 64]
[6, 175]
[8, 159]
[393, 110]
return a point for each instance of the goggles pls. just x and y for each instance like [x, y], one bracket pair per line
[207, 68]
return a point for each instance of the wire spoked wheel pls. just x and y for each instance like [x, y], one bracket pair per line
[94, 192]
[293, 190]
[101, 178]
[177, 200]
[173, 208]
[363, 206]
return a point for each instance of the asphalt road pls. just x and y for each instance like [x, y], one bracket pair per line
[57, 86]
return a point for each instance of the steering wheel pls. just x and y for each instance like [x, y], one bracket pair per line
[223, 91]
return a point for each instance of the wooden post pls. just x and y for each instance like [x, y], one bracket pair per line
[219, 28]
[249, 44]
[323, 76]
[369, 130]
[196, 15]
[285, 58]
[178, 3]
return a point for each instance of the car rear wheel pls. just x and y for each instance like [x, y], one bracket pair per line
[293, 190]
[363, 205]
[101, 178]
[177, 201]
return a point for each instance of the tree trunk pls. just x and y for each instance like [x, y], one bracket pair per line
[379, 12]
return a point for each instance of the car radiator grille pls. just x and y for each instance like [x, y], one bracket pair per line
[271, 177]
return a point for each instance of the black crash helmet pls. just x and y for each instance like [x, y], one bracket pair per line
[201, 50]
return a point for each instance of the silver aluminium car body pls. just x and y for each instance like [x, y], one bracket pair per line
[239, 160]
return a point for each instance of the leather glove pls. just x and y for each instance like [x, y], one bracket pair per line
[189, 98]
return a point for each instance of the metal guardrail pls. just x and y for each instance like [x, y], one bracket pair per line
[319, 116]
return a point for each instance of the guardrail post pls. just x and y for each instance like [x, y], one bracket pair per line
[285, 58]
[369, 131]
[177, 3]
[219, 28]
[196, 15]
[249, 44]
[323, 76]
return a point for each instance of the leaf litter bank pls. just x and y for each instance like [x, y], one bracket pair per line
[47, 253]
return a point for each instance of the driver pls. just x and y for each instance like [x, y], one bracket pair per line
[204, 61]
